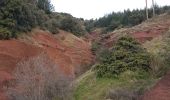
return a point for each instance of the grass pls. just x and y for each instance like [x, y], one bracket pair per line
[160, 51]
[68, 39]
[92, 88]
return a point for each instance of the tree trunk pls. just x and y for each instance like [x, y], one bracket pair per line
[147, 9]
[153, 5]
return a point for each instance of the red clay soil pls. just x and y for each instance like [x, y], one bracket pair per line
[161, 91]
[70, 57]
[150, 33]
[143, 32]
[11, 52]
[69, 52]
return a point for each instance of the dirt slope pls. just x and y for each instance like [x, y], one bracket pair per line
[66, 50]
[161, 91]
[11, 52]
[142, 32]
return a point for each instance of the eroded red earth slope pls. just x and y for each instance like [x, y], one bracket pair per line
[69, 52]
[142, 32]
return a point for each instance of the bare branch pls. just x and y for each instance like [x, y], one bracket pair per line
[38, 78]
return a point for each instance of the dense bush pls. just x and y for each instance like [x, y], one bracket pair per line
[4, 33]
[19, 16]
[51, 26]
[89, 25]
[126, 54]
[45, 5]
[73, 25]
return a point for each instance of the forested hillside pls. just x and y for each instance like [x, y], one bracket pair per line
[127, 18]
[17, 16]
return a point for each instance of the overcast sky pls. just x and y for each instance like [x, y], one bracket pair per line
[88, 9]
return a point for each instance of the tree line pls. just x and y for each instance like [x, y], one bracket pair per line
[127, 18]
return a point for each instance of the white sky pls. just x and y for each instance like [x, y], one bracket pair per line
[97, 8]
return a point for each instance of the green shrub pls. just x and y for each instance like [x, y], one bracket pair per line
[126, 54]
[103, 54]
[4, 33]
[73, 25]
[51, 26]
[19, 16]
[95, 47]
[23, 15]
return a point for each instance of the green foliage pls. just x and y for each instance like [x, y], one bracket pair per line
[89, 87]
[159, 49]
[4, 33]
[73, 25]
[18, 16]
[95, 47]
[89, 25]
[103, 54]
[45, 5]
[126, 54]
[51, 25]
[22, 15]
[127, 18]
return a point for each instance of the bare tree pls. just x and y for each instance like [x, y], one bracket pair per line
[38, 78]
[147, 9]
[153, 5]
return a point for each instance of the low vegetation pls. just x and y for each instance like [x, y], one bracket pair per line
[160, 52]
[89, 87]
[126, 54]
[128, 82]
[123, 73]
[38, 78]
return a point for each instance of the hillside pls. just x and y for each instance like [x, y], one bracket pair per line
[70, 53]
[143, 32]
[154, 37]
[48, 55]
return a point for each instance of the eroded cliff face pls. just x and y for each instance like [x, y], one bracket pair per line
[70, 53]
